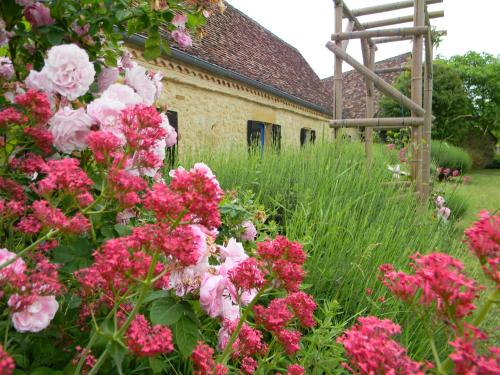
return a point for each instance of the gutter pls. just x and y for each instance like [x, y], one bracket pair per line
[140, 40]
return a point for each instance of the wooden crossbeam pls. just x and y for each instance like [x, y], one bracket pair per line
[402, 31]
[391, 39]
[388, 7]
[379, 83]
[379, 123]
[392, 70]
[398, 20]
[357, 25]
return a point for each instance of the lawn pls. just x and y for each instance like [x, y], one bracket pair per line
[482, 192]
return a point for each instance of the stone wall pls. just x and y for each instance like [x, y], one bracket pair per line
[213, 111]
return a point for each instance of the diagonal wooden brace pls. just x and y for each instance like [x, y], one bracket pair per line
[379, 83]
[379, 123]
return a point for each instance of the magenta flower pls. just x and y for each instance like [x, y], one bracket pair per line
[38, 15]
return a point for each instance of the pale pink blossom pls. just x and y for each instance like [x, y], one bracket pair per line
[188, 279]
[69, 70]
[17, 267]
[171, 138]
[124, 216]
[211, 294]
[250, 232]
[182, 38]
[139, 80]
[38, 15]
[106, 113]
[38, 81]
[107, 77]
[440, 201]
[443, 213]
[70, 129]
[37, 316]
[6, 68]
[233, 249]
[80, 30]
[121, 93]
[179, 20]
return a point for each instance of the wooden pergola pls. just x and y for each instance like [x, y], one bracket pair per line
[420, 105]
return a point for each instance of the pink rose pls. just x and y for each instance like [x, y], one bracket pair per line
[171, 137]
[157, 80]
[250, 232]
[188, 279]
[69, 70]
[455, 173]
[182, 38]
[4, 34]
[443, 213]
[233, 250]
[391, 146]
[38, 81]
[447, 171]
[440, 201]
[107, 114]
[6, 68]
[70, 129]
[80, 30]
[106, 78]
[17, 267]
[138, 79]
[38, 15]
[179, 20]
[126, 61]
[211, 294]
[121, 93]
[36, 316]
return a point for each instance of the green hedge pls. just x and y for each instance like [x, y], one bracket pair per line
[448, 156]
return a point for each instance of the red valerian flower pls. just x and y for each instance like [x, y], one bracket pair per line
[274, 317]
[7, 364]
[483, 239]
[203, 362]
[295, 370]
[37, 106]
[10, 115]
[147, 341]
[104, 145]
[290, 340]
[468, 361]
[64, 175]
[303, 307]
[371, 350]
[247, 275]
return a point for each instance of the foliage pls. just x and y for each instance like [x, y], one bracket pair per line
[451, 105]
[445, 155]
[350, 217]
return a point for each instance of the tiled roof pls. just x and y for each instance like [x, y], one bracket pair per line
[355, 88]
[235, 42]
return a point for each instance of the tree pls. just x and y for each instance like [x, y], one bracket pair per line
[451, 105]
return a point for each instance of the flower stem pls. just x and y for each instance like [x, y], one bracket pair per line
[99, 362]
[227, 350]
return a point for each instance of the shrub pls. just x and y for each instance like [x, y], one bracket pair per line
[446, 155]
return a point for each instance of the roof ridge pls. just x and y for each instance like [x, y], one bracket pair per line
[265, 29]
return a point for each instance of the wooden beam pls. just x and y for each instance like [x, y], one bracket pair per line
[357, 24]
[398, 20]
[391, 39]
[379, 83]
[402, 31]
[379, 123]
[428, 118]
[388, 7]
[370, 106]
[392, 70]
[338, 103]
[416, 95]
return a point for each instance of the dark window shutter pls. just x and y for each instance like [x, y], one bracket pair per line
[253, 136]
[303, 135]
[276, 133]
[172, 152]
[313, 136]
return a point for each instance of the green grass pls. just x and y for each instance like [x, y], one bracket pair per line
[349, 215]
[446, 155]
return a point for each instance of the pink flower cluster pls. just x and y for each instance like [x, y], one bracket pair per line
[147, 341]
[204, 363]
[371, 350]
[442, 212]
[7, 364]
[483, 239]
[441, 282]
[466, 358]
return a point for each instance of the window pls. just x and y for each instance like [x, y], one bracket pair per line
[261, 135]
[171, 152]
[307, 136]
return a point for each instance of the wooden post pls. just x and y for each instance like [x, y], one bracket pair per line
[337, 76]
[416, 95]
[427, 129]
[370, 106]
[380, 84]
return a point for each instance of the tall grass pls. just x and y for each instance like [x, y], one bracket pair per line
[446, 155]
[349, 215]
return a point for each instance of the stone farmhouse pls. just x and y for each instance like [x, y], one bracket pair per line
[242, 85]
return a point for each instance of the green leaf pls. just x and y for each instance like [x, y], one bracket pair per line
[186, 335]
[152, 53]
[166, 311]
[74, 255]
[157, 365]
[118, 353]
[55, 36]
[122, 14]
[123, 230]
[154, 295]
[195, 20]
